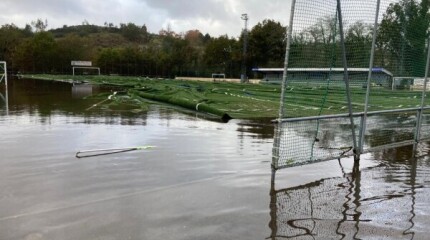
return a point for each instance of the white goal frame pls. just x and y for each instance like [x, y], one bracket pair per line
[97, 68]
[398, 79]
[3, 76]
[218, 76]
[3, 72]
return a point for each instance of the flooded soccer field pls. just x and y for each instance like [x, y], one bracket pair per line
[204, 179]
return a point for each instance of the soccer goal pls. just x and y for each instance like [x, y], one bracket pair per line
[403, 83]
[84, 68]
[86, 71]
[218, 76]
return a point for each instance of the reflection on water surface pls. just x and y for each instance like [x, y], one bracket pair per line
[204, 180]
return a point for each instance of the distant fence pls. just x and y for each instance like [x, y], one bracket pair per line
[327, 109]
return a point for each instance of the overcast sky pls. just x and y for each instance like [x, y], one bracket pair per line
[216, 17]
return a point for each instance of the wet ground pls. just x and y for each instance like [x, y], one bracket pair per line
[203, 180]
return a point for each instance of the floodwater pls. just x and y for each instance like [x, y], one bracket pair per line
[203, 180]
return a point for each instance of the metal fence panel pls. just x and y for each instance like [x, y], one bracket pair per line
[331, 73]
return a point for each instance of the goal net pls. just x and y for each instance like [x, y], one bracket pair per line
[86, 71]
[218, 76]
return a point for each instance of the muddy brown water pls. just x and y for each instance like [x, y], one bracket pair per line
[204, 180]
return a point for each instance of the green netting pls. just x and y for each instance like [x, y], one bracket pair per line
[315, 80]
[308, 141]
[328, 73]
[390, 129]
[425, 126]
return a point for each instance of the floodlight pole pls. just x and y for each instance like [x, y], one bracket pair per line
[363, 121]
[346, 79]
[243, 77]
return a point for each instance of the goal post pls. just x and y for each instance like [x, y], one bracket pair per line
[85, 67]
[3, 72]
[402, 83]
[216, 76]
[3, 76]
[86, 70]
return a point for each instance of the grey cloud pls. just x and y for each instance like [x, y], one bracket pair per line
[51, 7]
[190, 8]
[215, 17]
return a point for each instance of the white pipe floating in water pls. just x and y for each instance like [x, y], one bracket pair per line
[109, 98]
[99, 152]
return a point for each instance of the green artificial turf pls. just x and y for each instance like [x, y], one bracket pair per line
[249, 101]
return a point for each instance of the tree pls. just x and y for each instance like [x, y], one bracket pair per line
[145, 34]
[40, 25]
[194, 52]
[194, 37]
[108, 59]
[131, 32]
[267, 44]
[69, 48]
[323, 50]
[358, 42]
[129, 58]
[38, 54]
[403, 33]
[218, 53]
[168, 32]
[10, 38]
[324, 30]
[318, 46]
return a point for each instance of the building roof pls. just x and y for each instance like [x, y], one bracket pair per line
[266, 70]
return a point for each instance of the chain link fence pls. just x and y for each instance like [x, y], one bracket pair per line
[355, 79]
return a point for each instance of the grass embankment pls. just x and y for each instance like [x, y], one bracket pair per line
[248, 101]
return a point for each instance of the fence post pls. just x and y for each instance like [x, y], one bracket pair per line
[363, 120]
[6, 88]
[369, 77]
[346, 79]
[5, 74]
[278, 129]
[423, 96]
